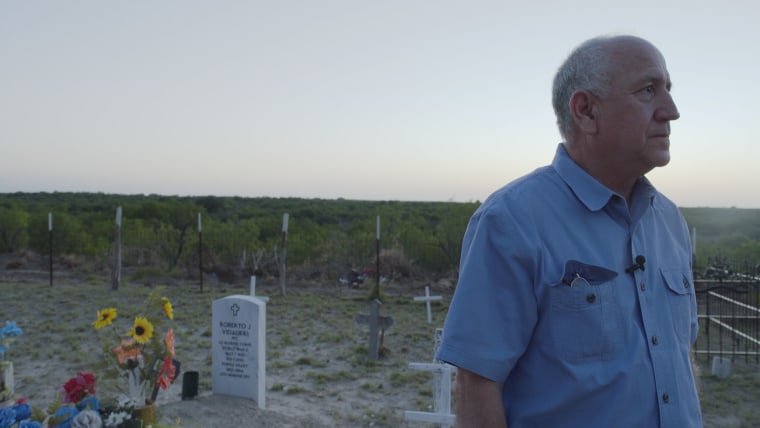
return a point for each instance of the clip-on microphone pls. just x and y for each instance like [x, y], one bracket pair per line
[638, 265]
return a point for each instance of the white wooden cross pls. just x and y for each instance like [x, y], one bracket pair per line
[427, 298]
[442, 372]
[253, 290]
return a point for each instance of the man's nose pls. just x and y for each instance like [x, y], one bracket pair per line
[668, 109]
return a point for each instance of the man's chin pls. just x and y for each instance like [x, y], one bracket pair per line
[661, 160]
[658, 160]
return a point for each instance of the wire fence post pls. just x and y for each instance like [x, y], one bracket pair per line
[50, 244]
[116, 273]
[200, 251]
[283, 252]
[377, 260]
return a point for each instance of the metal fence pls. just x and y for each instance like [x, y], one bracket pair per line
[729, 318]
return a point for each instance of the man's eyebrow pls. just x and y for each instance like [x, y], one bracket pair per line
[652, 78]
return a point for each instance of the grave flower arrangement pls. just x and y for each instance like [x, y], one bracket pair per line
[76, 406]
[8, 334]
[84, 408]
[143, 354]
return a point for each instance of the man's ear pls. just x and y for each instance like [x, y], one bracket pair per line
[582, 109]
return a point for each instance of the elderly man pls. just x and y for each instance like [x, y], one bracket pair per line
[575, 305]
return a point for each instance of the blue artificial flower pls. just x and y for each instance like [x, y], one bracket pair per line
[91, 403]
[30, 424]
[6, 333]
[7, 417]
[11, 330]
[23, 411]
[65, 412]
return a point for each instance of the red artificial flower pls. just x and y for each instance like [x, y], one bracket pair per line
[167, 373]
[79, 387]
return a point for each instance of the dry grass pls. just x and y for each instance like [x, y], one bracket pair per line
[317, 366]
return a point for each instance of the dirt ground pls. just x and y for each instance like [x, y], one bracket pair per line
[318, 373]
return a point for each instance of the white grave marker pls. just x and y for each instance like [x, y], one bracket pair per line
[427, 298]
[721, 367]
[377, 326]
[253, 290]
[238, 348]
[442, 373]
[7, 387]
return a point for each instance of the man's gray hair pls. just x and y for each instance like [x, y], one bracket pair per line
[586, 68]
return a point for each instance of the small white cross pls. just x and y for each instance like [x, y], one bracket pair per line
[427, 298]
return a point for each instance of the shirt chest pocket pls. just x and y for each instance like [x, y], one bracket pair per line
[584, 316]
[679, 294]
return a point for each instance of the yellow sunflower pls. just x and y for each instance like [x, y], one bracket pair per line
[105, 317]
[167, 306]
[142, 330]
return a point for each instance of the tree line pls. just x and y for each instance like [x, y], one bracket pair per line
[329, 236]
[326, 237]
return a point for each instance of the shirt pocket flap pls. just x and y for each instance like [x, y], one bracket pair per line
[595, 275]
[678, 281]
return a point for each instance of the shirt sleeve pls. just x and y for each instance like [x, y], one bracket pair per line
[494, 309]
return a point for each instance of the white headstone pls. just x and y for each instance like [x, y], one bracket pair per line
[238, 348]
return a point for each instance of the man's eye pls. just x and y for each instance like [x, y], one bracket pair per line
[648, 92]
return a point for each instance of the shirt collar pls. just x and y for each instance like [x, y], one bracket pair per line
[593, 194]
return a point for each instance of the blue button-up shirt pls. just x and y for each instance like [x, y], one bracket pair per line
[545, 303]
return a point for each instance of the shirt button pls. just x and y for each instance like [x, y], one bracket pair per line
[642, 286]
[665, 398]
[654, 340]
[591, 298]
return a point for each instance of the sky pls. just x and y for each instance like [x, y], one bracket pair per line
[408, 100]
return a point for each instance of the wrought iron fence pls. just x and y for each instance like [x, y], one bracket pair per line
[729, 318]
